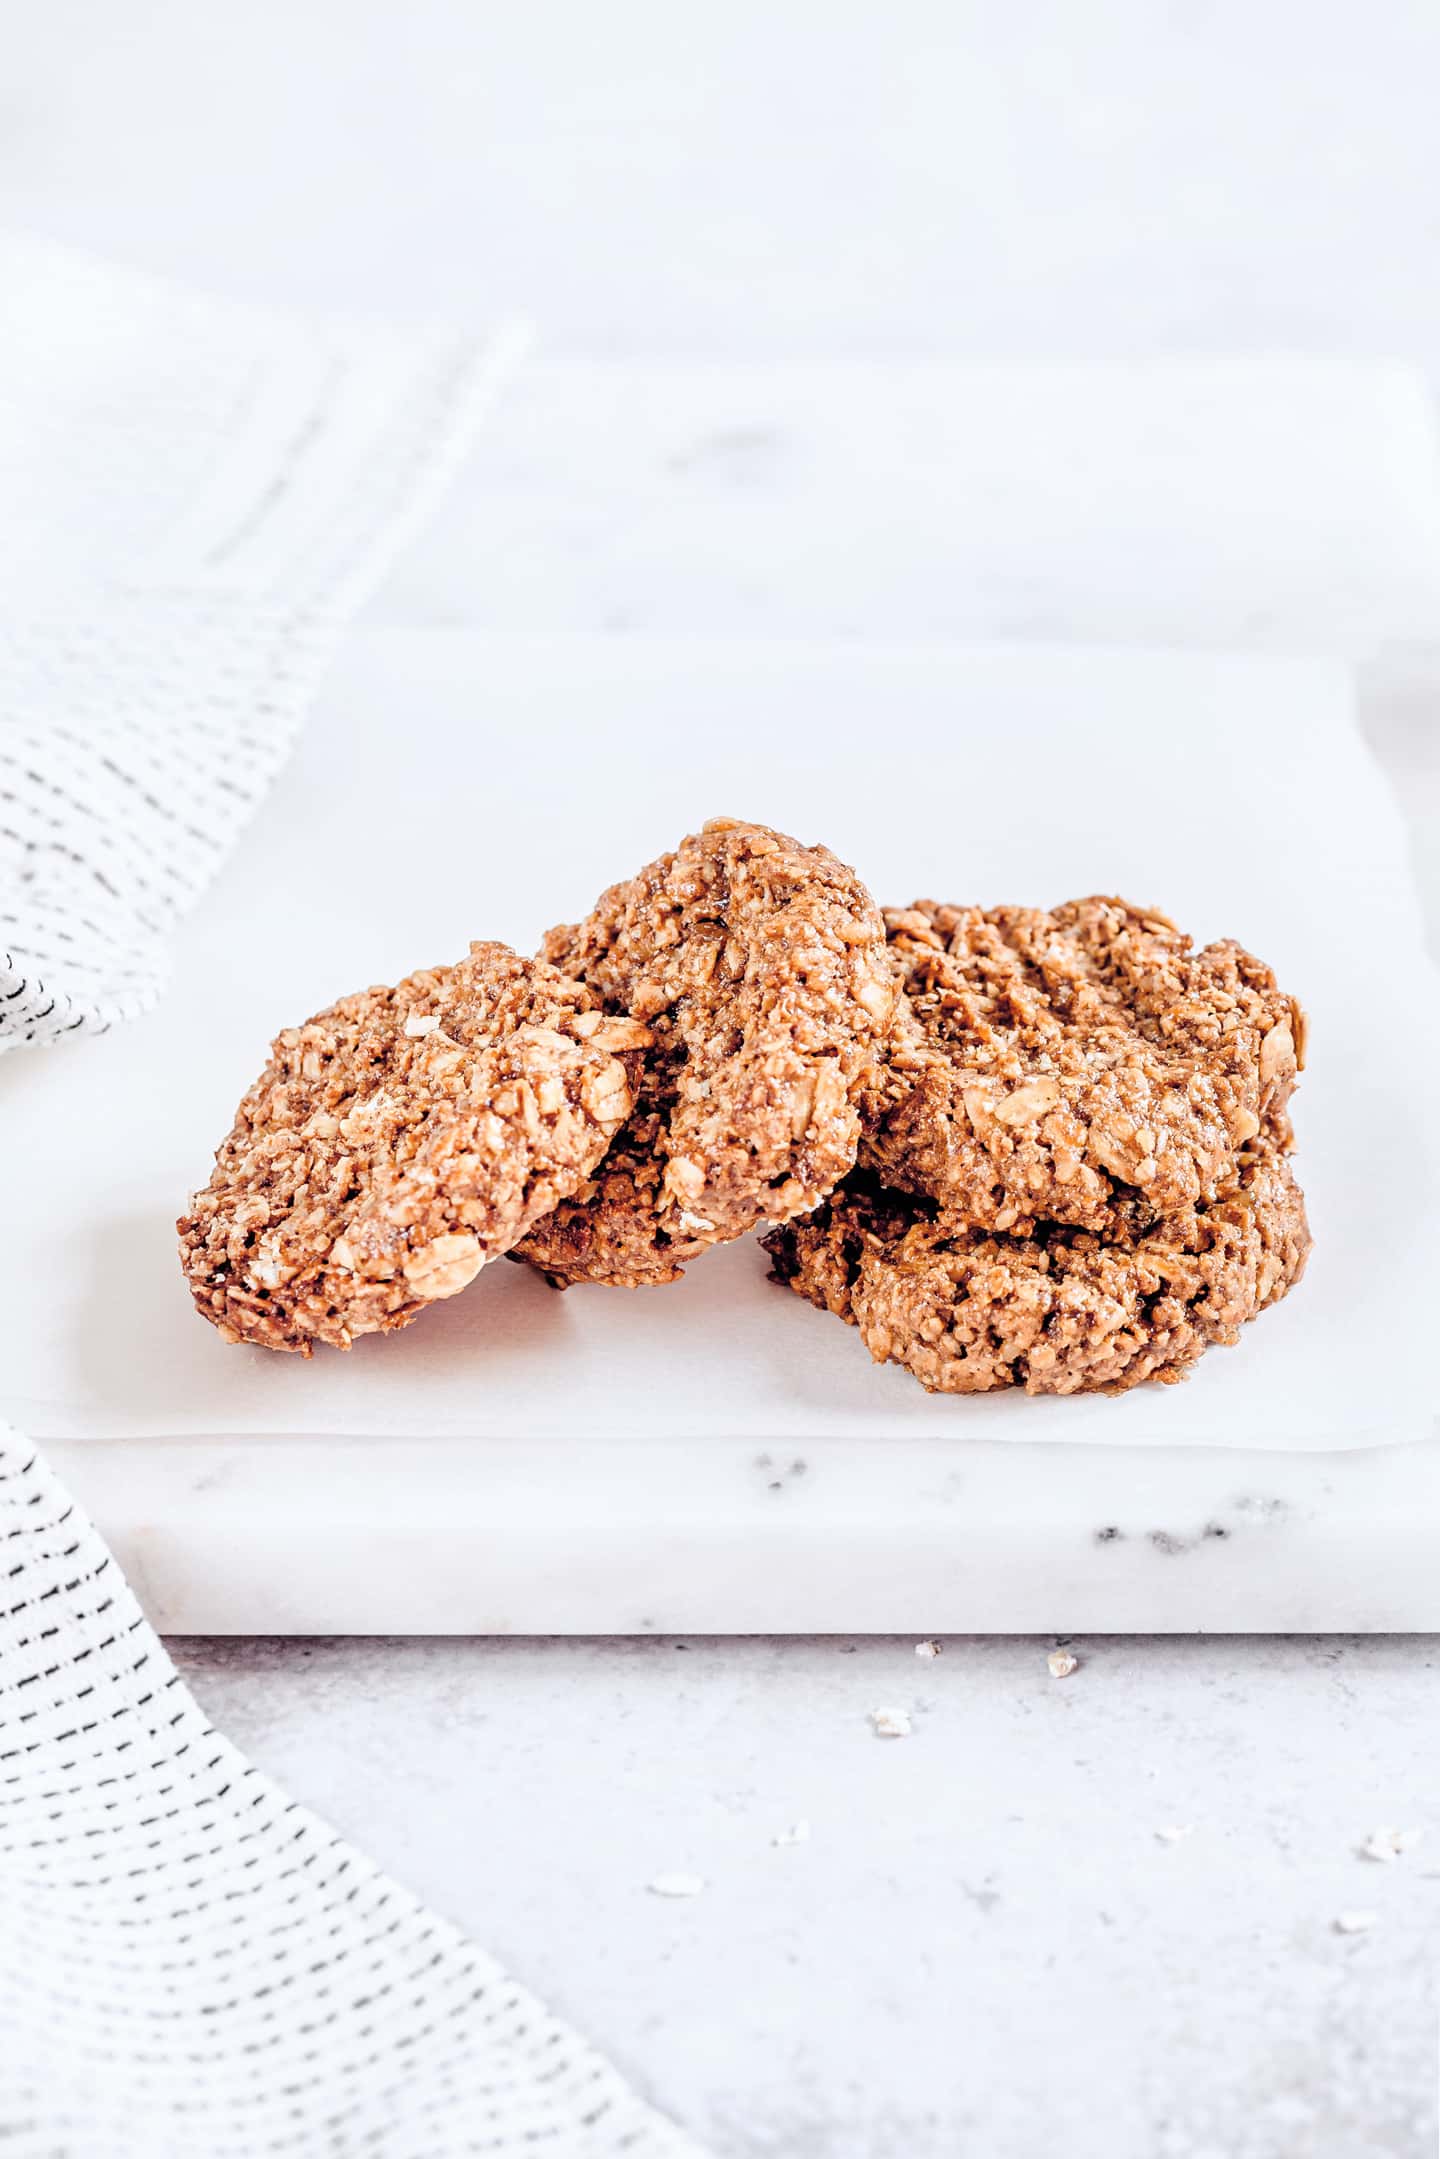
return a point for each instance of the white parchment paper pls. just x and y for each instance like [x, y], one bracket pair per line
[458, 785]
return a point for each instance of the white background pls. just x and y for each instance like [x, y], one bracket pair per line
[934, 175]
[983, 1948]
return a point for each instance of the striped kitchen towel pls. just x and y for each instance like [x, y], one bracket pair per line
[194, 1967]
[197, 496]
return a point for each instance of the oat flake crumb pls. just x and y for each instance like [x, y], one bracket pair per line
[1355, 1922]
[928, 1649]
[422, 1023]
[1062, 1663]
[1388, 1844]
[677, 1885]
[796, 1833]
[891, 1723]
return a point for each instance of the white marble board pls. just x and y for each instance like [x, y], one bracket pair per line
[717, 1456]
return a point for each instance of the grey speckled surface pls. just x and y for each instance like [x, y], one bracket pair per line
[983, 1946]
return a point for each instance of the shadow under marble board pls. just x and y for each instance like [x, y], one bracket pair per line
[602, 1461]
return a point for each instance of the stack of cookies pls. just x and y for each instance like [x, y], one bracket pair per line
[1012, 1148]
[1079, 1177]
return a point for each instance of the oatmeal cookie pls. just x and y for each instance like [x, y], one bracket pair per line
[760, 968]
[1059, 1312]
[399, 1140]
[1084, 1066]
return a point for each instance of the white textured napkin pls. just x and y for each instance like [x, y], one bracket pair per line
[197, 495]
[194, 1967]
[191, 1966]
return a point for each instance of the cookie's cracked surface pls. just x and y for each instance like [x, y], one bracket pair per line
[1059, 1312]
[1084, 1065]
[398, 1141]
[761, 969]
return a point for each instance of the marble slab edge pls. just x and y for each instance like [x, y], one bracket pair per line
[388, 1536]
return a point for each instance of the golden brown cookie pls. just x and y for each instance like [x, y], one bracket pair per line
[760, 968]
[1060, 1312]
[1084, 1066]
[399, 1140]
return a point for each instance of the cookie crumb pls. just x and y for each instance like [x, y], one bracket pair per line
[1175, 1832]
[1388, 1844]
[929, 1649]
[891, 1723]
[796, 1833]
[1355, 1922]
[1062, 1663]
[676, 1885]
[419, 1024]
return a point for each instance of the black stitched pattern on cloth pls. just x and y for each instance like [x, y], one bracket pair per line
[192, 1964]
